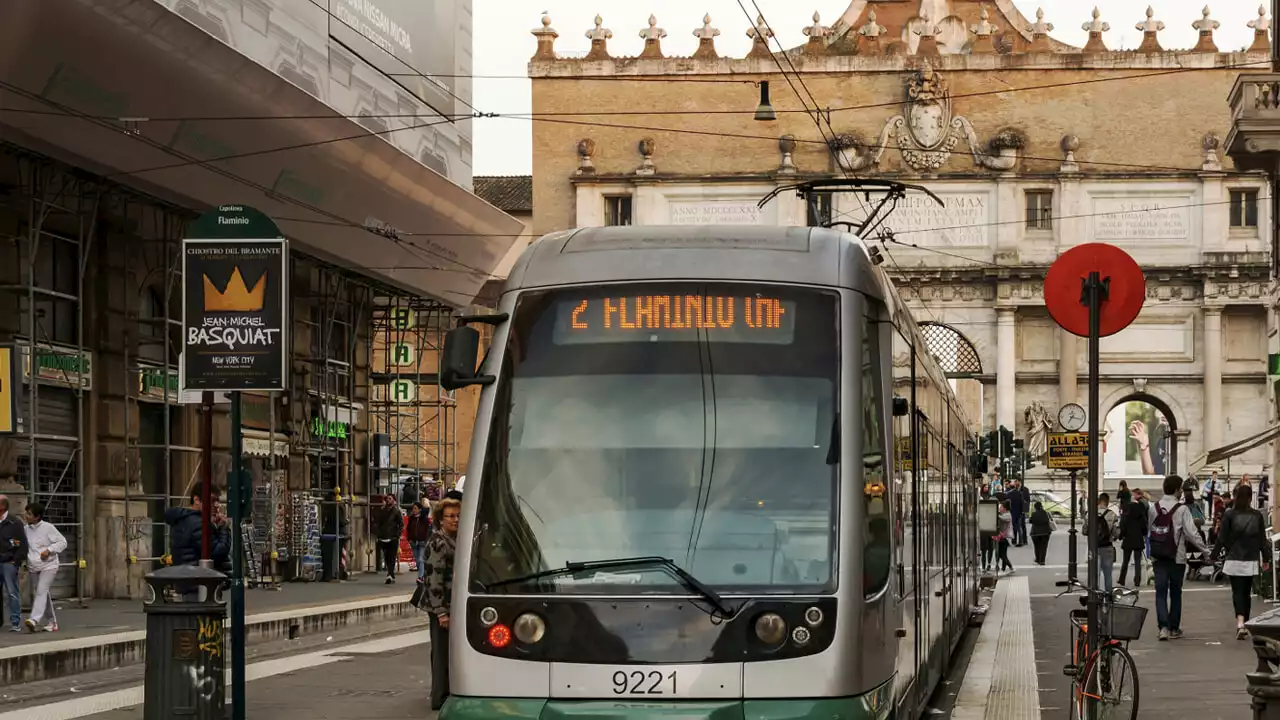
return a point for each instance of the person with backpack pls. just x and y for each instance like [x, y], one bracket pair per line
[1106, 531]
[1170, 529]
[1242, 537]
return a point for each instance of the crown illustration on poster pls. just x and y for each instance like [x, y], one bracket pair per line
[237, 297]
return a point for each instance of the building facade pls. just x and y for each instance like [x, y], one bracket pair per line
[1032, 146]
[123, 124]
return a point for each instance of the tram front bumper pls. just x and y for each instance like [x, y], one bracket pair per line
[875, 705]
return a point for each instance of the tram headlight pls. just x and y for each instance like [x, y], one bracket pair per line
[771, 629]
[800, 636]
[488, 616]
[813, 617]
[529, 628]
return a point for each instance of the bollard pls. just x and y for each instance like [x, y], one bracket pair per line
[185, 673]
[1264, 681]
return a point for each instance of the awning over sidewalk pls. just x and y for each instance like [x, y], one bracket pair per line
[136, 93]
[259, 443]
[1217, 455]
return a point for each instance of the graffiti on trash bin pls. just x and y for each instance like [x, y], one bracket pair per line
[210, 637]
[202, 681]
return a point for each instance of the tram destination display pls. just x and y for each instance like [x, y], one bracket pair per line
[1068, 451]
[752, 319]
[234, 301]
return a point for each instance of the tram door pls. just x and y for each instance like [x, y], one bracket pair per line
[906, 532]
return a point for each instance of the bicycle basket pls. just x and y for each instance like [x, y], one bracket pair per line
[1122, 622]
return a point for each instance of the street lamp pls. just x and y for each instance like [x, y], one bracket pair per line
[764, 112]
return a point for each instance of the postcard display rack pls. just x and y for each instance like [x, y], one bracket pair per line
[305, 536]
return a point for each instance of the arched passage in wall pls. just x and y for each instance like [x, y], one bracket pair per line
[1158, 425]
[952, 350]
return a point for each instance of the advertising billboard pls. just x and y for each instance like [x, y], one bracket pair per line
[413, 41]
[234, 304]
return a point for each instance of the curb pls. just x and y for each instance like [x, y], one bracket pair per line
[61, 658]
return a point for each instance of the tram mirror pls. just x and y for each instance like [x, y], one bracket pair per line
[458, 361]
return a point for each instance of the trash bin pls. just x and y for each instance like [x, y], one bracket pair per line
[331, 557]
[1264, 681]
[186, 655]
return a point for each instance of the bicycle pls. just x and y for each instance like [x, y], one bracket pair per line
[1099, 679]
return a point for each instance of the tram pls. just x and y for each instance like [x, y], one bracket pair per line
[715, 474]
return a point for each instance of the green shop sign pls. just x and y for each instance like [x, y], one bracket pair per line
[58, 365]
[157, 385]
[321, 428]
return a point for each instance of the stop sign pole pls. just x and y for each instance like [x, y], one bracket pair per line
[1094, 290]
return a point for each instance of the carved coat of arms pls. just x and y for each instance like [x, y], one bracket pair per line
[931, 131]
[927, 131]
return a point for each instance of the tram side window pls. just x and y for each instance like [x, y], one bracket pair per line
[877, 546]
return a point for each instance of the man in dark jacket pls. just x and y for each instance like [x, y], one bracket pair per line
[13, 552]
[1026, 508]
[186, 534]
[1018, 509]
[388, 524]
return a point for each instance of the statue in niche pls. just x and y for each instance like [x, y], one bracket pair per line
[1038, 426]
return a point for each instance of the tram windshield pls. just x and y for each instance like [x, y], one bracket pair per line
[693, 422]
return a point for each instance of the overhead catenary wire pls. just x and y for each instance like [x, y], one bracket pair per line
[647, 128]
[339, 221]
[663, 113]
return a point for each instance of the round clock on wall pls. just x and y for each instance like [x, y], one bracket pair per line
[1071, 417]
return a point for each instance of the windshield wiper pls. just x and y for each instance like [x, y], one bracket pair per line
[690, 582]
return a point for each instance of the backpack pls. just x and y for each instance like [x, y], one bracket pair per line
[1102, 531]
[1164, 541]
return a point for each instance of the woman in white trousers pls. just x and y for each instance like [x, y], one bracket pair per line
[44, 542]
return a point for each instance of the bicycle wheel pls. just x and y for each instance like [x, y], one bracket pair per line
[1110, 686]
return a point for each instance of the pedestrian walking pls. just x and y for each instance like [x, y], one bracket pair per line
[44, 542]
[186, 534]
[440, 557]
[1017, 509]
[1171, 528]
[13, 552]
[1123, 495]
[388, 524]
[419, 532]
[1242, 537]
[1021, 530]
[1004, 532]
[1106, 532]
[1133, 539]
[1042, 526]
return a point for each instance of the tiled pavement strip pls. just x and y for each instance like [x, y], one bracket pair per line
[1000, 683]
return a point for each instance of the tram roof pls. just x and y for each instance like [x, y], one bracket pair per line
[730, 253]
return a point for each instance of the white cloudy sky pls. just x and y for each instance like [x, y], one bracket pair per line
[503, 44]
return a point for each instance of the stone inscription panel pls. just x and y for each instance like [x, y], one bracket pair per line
[963, 222]
[718, 212]
[1166, 218]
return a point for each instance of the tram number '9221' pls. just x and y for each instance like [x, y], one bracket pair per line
[639, 682]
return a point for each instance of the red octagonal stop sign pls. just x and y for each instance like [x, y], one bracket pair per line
[1064, 288]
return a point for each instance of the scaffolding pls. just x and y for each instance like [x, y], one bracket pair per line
[159, 473]
[48, 213]
[330, 382]
[409, 408]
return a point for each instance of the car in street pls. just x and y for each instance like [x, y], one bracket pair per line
[1054, 504]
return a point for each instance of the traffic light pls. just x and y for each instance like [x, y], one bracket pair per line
[1006, 442]
[987, 444]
